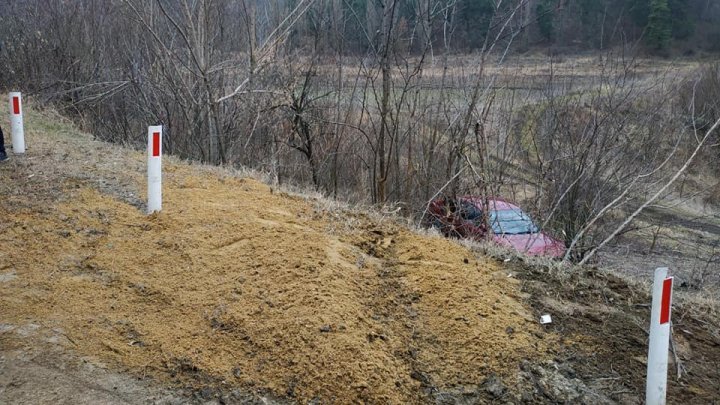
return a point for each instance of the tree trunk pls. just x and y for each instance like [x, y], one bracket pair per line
[386, 40]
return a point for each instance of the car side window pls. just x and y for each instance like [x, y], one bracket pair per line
[470, 212]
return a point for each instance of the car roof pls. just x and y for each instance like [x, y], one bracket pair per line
[494, 203]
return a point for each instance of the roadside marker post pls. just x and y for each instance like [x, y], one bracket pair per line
[17, 132]
[154, 168]
[657, 364]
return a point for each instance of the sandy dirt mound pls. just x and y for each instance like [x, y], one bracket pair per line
[237, 285]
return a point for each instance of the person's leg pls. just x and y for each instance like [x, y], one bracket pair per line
[3, 154]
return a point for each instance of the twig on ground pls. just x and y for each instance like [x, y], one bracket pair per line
[678, 364]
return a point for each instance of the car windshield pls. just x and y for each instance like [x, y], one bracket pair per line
[511, 222]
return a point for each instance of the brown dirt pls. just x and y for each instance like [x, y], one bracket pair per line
[602, 321]
[235, 284]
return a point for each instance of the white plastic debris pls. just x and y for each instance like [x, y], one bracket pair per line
[545, 319]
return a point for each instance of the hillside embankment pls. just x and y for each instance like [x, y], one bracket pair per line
[241, 292]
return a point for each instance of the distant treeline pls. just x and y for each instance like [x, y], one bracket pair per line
[658, 25]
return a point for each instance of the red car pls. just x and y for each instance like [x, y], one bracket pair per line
[511, 226]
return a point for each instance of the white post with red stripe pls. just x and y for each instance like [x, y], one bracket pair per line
[154, 169]
[17, 132]
[657, 364]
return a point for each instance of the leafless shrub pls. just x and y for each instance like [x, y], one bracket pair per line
[699, 97]
[595, 152]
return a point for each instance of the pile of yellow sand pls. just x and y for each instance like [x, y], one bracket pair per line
[234, 285]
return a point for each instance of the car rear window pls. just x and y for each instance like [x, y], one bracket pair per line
[511, 222]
